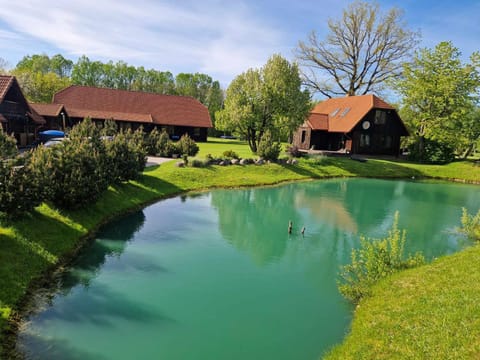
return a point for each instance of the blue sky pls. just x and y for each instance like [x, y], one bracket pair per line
[216, 37]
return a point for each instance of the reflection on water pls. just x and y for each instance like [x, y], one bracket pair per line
[257, 221]
[163, 282]
[111, 241]
[328, 210]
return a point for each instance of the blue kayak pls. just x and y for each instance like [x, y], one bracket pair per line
[52, 133]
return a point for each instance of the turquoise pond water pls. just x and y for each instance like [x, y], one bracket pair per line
[217, 276]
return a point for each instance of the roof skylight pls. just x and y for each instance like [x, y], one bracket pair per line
[345, 112]
[335, 112]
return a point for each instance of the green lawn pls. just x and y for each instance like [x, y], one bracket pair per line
[216, 147]
[432, 312]
[46, 238]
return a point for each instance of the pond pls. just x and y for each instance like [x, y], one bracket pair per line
[216, 275]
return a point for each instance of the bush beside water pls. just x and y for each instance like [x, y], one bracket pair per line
[470, 225]
[374, 260]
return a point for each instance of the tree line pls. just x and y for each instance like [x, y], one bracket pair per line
[367, 50]
[41, 76]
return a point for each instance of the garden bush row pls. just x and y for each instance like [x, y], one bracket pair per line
[159, 144]
[71, 174]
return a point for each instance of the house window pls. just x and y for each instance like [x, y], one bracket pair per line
[196, 132]
[364, 140]
[304, 134]
[380, 117]
[388, 142]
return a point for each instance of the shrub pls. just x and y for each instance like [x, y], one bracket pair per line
[79, 168]
[267, 148]
[165, 146]
[8, 145]
[152, 142]
[374, 260]
[434, 152]
[170, 149]
[18, 193]
[187, 146]
[109, 128]
[470, 225]
[198, 163]
[230, 154]
[126, 156]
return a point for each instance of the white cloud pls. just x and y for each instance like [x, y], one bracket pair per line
[209, 36]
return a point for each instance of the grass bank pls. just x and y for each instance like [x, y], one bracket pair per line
[35, 245]
[431, 312]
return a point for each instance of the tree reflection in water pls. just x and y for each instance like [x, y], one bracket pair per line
[110, 241]
[256, 221]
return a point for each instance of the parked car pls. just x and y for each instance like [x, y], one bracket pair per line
[54, 141]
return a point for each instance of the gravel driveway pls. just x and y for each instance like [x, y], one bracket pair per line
[154, 160]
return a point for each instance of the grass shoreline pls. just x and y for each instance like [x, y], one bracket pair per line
[53, 238]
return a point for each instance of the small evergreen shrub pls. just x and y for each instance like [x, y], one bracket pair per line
[162, 143]
[79, 167]
[187, 146]
[8, 145]
[19, 193]
[198, 163]
[109, 128]
[230, 154]
[374, 260]
[267, 148]
[126, 156]
[153, 142]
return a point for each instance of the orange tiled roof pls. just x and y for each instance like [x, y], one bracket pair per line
[47, 109]
[318, 121]
[344, 113]
[136, 106]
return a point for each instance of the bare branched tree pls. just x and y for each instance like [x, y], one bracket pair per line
[3, 66]
[360, 52]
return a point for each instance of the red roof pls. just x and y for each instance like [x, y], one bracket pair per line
[123, 105]
[344, 113]
[318, 121]
[5, 83]
[47, 109]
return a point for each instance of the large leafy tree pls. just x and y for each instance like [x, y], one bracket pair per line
[41, 76]
[266, 99]
[44, 64]
[362, 50]
[439, 96]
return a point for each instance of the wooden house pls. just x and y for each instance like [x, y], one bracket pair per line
[354, 124]
[17, 117]
[55, 115]
[178, 115]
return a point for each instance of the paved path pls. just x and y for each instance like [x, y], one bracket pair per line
[154, 160]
